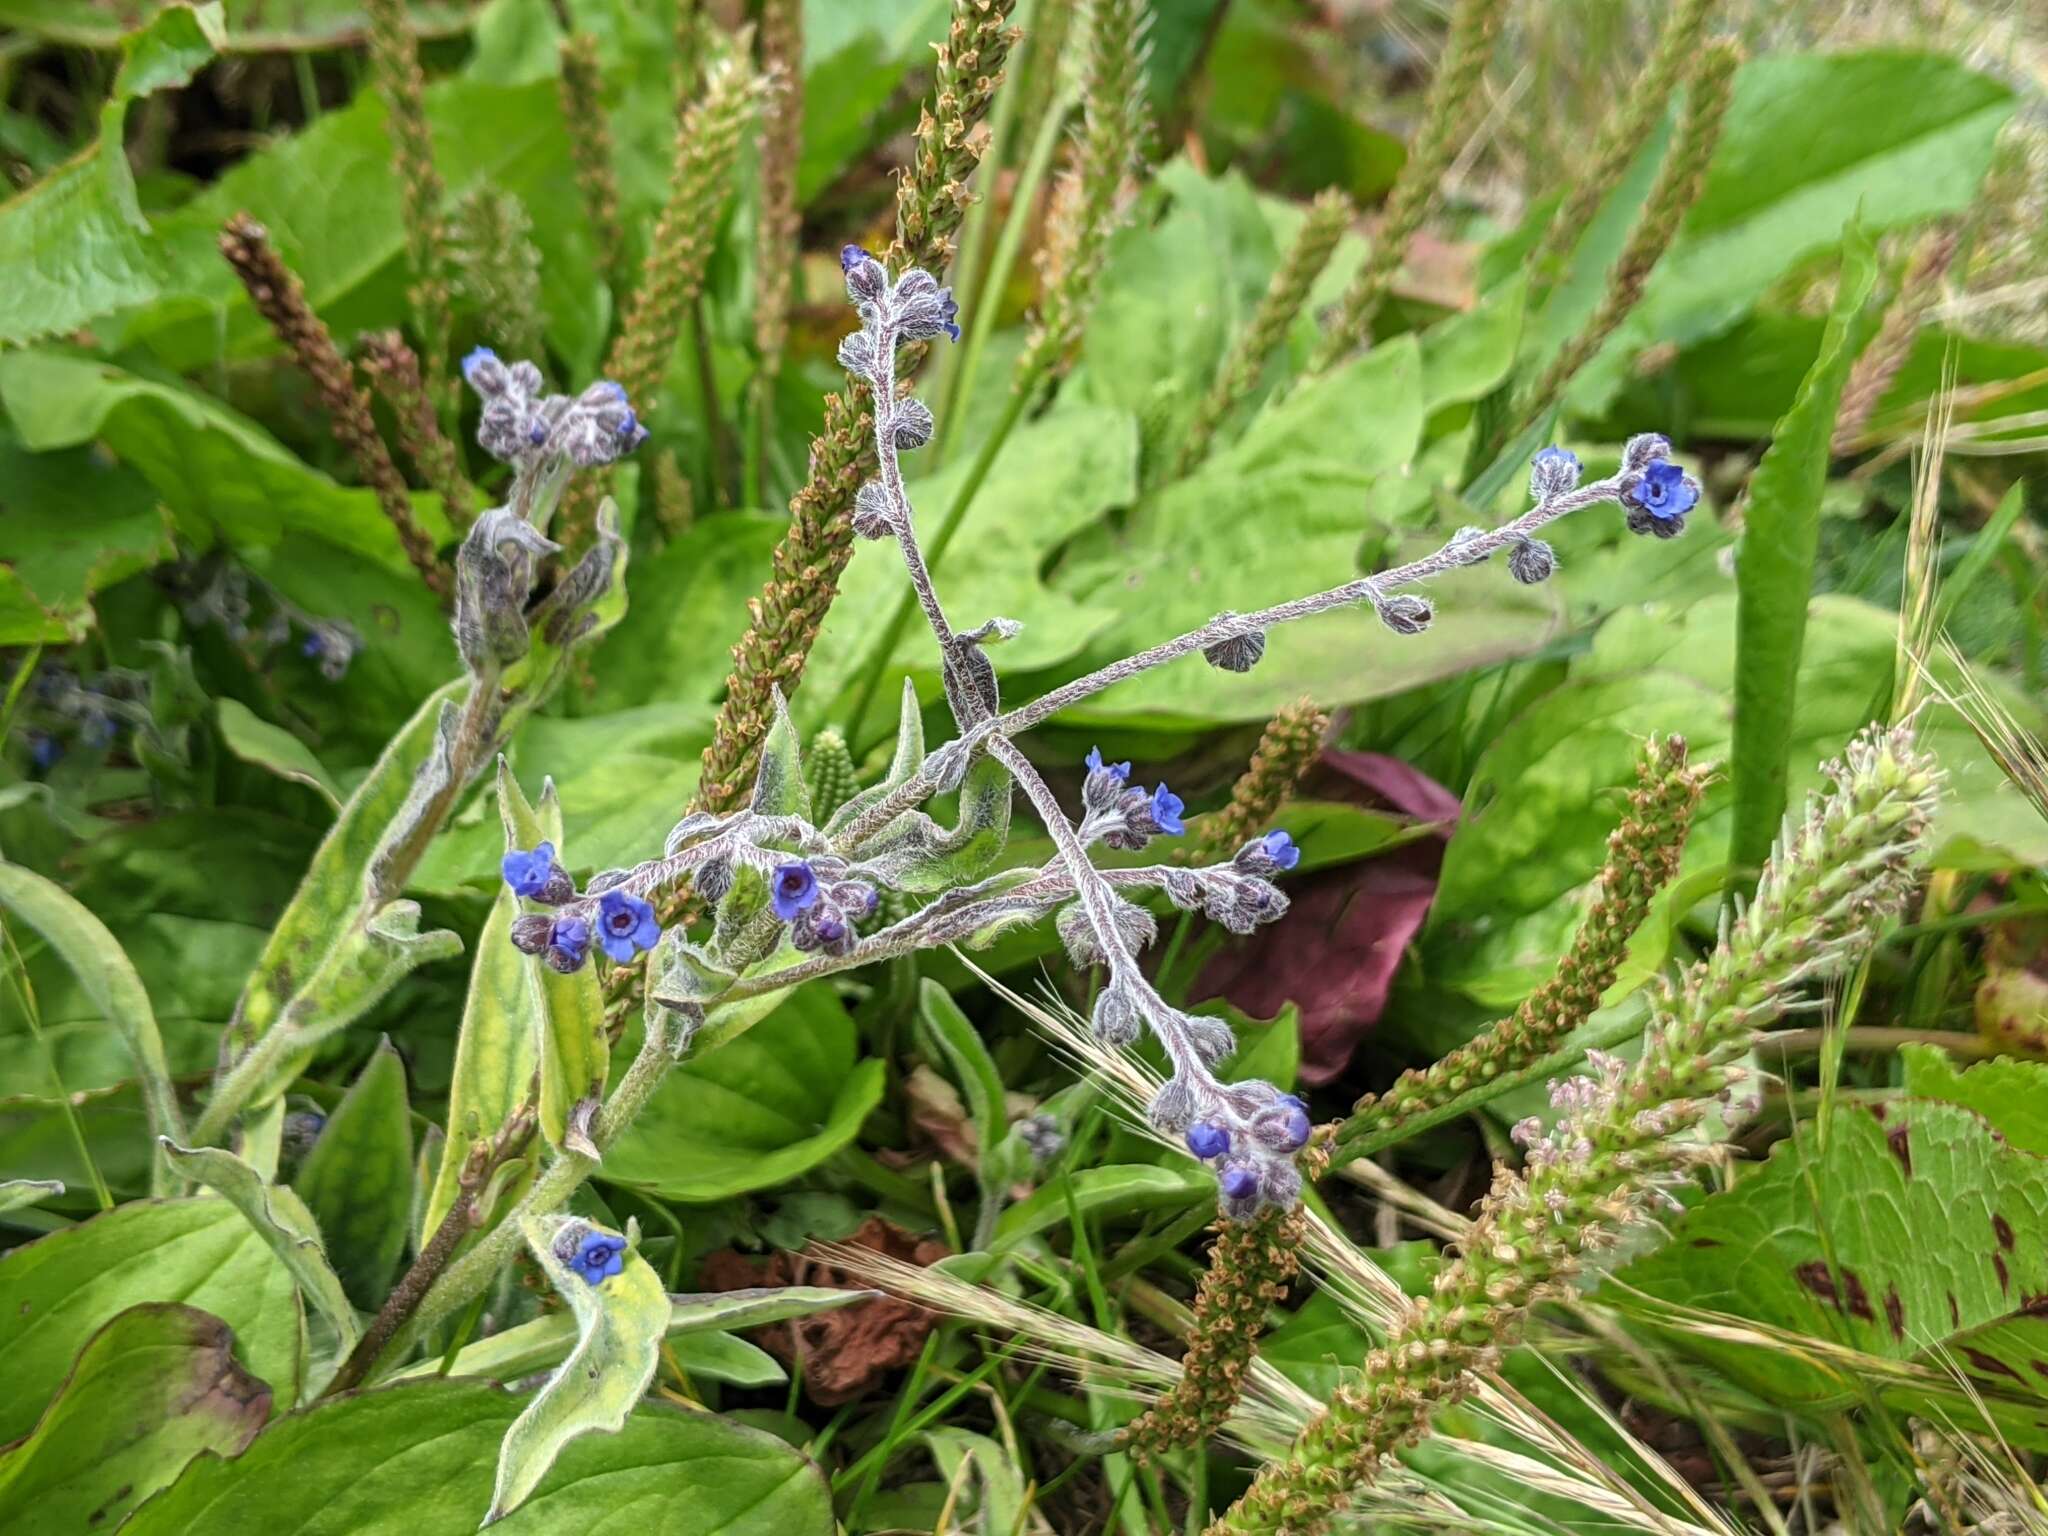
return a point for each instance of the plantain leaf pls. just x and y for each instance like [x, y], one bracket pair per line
[154, 1388]
[280, 1218]
[57, 1292]
[94, 956]
[1774, 568]
[255, 740]
[358, 1180]
[565, 1014]
[620, 1324]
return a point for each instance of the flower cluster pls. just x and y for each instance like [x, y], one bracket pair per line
[1656, 492]
[915, 307]
[522, 425]
[1122, 816]
[820, 906]
[1249, 1133]
[622, 923]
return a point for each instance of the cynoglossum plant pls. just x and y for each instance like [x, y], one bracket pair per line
[274, 289]
[1287, 749]
[1307, 254]
[395, 69]
[806, 563]
[1448, 115]
[1835, 879]
[1677, 188]
[1642, 857]
[346, 938]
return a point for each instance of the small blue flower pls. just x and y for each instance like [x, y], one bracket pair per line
[1279, 847]
[479, 359]
[949, 313]
[44, 750]
[613, 388]
[851, 256]
[1239, 1182]
[1120, 771]
[315, 644]
[1665, 492]
[537, 433]
[569, 944]
[527, 873]
[630, 425]
[626, 925]
[599, 1256]
[794, 889]
[1208, 1141]
[1166, 808]
[1296, 1127]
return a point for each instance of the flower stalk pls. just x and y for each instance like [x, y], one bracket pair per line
[394, 371]
[395, 68]
[1287, 750]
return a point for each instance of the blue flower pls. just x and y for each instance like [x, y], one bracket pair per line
[44, 750]
[568, 944]
[599, 1256]
[537, 433]
[1119, 771]
[315, 644]
[630, 425]
[949, 312]
[613, 388]
[1664, 491]
[1279, 847]
[527, 873]
[1165, 810]
[851, 256]
[1208, 1141]
[479, 359]
[1239, 1182]
[1295, 1128]
[626, 925]
[794, 889]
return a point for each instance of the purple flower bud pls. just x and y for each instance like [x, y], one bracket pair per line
[483, 371]
[1553, 472]
[1240, 653]
[1642, 448]
[533, 933]
[626, 925]
[713, 879]
[1239, 1181]
[569, 945]
[794, 888]
[1406, 614]
[912, 424]
[1532, 561]
[866, 281]
[1208, 1141]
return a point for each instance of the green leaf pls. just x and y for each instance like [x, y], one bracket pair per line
[754, 1111]
[255, 740]
[221, 475]
[2012, 1096]
[1003, 1501]
[330, 898]
[417, 1458]
[246, 26]
[721, 1357]
[1892, 136]
[779, 787]
[620, 1324]
[16, 1193]
[1121, 1190]
[94, 524]
[150, 1391]
[1774, 567]
[973, 1068]
[1904, 1249]
[76, 245]
[519, 1352]
[94, 957]
[358, 1180]
[280, 1218]
[565, 1013]
[58, 1291]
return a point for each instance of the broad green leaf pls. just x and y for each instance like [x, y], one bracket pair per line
[1903, 1248]
[1302, 502]
[255, 740]
[779, 787]
[1892, 136]
[221, 474]
[973, 1068]
[358, 1180]
[1774, 567]
[620, 1323]
[76, 245]
[16, 1193]
[565, 1013]
[92, 524]
[150, 1391]
[94, 957]
[1119, 1190]
[722, 1357]
[279, 1217]
[2012, 1096]
[754, 1111]
[1053, 478]
[331, 896]
[58, 1291]
[418, 1458]
[519, 1352]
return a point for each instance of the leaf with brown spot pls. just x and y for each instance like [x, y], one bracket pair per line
[157, 1386]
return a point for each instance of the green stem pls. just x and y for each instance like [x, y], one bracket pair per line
[1355, 1144]
[906, 607]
